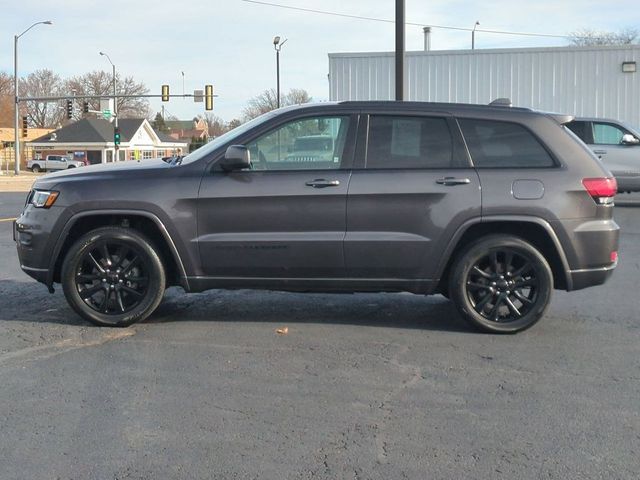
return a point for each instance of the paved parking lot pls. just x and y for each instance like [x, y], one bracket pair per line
[379, 386]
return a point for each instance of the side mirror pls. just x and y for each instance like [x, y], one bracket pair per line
[236, 157]
[628, 139]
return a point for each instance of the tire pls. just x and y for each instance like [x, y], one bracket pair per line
[35, 169]
[71, 166]
[501, 284]
[113, 298]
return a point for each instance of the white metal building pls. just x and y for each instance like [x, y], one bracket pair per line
[584, 81]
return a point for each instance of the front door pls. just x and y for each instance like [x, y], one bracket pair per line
[284, 218]
[616, 156]
[413, 189]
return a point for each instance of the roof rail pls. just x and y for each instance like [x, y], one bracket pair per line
[501, 102]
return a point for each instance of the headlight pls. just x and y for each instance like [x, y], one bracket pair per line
[43, 198]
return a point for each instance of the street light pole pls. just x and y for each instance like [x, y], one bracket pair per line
[115, 107]
[278, 46]
[473, 35]
[16, 144]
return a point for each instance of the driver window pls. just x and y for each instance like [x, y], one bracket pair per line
[312, 143]
[607, 134]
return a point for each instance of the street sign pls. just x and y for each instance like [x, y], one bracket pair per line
[198, 96]
[106, 114]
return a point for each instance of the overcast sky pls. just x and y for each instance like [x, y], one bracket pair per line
[229, 42]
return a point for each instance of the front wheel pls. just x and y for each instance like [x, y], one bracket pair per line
[113, 277]
[501, 284]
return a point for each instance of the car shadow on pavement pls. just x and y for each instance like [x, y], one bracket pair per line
[30, 302]
[397, 310]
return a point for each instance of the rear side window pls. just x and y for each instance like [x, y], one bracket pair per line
[579, 128]
[503, 145]
[408, 142]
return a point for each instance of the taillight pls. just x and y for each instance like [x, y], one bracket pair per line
[602, 190]
[614, 256]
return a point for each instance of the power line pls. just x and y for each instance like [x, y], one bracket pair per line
[385, 20]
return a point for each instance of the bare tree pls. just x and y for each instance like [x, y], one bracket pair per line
[101, 83]
[217, 126]
[6, 100]
[588, 37]
[297, 96]
[42, 83]
[234, 123]
[268, 100]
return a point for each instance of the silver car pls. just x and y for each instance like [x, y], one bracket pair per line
[616, 144]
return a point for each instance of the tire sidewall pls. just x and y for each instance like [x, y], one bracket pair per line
[142, 246]
[460, 297]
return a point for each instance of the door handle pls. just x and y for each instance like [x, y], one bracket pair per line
[600, 152]
[322, 183]
[451, 181]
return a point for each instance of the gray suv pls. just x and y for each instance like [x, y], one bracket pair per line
[490, 206]
[616, 144]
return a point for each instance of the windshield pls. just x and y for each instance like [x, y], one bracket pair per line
[226, 138]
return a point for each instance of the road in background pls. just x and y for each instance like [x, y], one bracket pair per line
[380, 386]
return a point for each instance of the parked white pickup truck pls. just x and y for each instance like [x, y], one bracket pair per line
[53, 162]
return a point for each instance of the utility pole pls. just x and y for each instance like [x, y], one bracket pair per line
[115, 108]
[400, 49]
[16, 144]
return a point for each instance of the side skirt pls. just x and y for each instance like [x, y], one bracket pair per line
[319, 285]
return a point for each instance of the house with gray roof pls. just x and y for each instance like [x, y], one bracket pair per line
[91, 140]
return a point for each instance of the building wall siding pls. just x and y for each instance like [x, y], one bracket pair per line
[584, 81]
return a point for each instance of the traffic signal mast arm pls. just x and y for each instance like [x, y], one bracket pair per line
[66, 97]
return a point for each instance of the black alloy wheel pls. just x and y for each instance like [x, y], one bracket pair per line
[113, 276]
[501, 284]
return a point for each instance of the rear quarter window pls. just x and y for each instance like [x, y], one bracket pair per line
[495, 144]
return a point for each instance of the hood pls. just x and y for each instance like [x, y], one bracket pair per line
[102, 170]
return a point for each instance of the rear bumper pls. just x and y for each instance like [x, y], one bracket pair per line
[590, 277]
[627, 181]
[588, 247]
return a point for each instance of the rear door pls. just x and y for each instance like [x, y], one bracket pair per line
[284, 218]
[412, 189]
[55, 162]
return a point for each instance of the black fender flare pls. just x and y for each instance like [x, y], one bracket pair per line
[462, 229]
[184, 282]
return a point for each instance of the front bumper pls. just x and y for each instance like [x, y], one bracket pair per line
[32, 232]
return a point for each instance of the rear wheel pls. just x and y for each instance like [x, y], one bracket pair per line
[501, 284]
[113, 277]
[35, 168]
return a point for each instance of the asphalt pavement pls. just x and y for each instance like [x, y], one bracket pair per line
[365, 386]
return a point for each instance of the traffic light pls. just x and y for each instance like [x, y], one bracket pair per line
[85, 107]
[165, 93]
[69, 109]
[116, 135]
[24, 126]
[208, 97]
